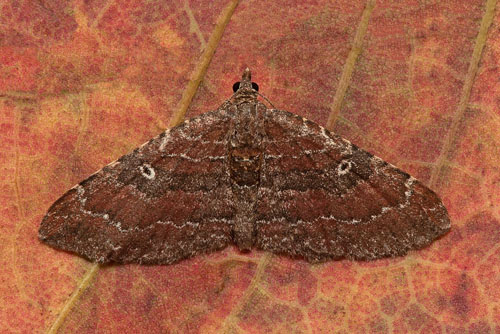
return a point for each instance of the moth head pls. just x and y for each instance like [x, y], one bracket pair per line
[236, 86]
[245, 89]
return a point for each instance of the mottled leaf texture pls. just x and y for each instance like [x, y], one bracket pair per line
[248, 175]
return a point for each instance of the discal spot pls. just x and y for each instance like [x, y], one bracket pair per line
[344, 167]
[147, 171]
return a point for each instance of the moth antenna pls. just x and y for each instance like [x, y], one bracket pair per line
[267, 100]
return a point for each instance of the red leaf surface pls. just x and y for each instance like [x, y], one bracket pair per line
[416, 83]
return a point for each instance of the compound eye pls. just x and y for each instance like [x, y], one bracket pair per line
[255, 86]
[236, 86]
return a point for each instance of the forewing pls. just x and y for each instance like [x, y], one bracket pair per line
[167, 200]
[322, 198]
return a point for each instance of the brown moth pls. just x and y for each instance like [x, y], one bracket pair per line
[250, 176]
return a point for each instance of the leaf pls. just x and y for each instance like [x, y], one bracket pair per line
[415, 83]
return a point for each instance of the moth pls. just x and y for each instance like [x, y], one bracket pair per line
[251, 176]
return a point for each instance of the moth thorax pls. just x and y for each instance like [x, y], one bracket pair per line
[245, 95]
[247, 127]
